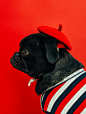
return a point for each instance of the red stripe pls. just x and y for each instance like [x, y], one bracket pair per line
[51, 95]
[70, 95]
[80, 108]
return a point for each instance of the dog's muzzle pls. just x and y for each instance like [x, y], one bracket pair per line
[19, 63]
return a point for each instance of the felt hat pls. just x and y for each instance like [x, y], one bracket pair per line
[63, 42]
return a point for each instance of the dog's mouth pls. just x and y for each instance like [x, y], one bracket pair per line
[15, 62]
[19, 65]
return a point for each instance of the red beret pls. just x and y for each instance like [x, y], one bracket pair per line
[56, 33]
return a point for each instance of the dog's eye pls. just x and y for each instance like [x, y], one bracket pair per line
[25, 52]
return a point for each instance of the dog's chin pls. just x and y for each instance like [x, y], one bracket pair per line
[40, 79]
[36, 77]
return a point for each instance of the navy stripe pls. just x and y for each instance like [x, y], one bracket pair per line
[77, 103]
[63, 82]
[66, 92]
[48, 91]
[46, 112]
[72, 76]
[69, 78]
[45, 97]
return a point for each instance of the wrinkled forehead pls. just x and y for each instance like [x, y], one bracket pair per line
[28, 39]
[33, 38]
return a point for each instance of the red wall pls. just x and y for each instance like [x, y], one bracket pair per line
[19, 18]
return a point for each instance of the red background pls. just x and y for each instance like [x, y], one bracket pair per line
[19, 18]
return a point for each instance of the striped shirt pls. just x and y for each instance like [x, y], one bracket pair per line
[67, 96]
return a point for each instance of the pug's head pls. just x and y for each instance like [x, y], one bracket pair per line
[37, 55]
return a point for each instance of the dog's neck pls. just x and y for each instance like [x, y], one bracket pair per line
[64, 67]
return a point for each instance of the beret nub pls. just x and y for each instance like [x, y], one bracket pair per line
[56, 33]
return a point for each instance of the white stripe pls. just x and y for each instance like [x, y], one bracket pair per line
[73, 100]
[41, 102]
[42, 96]
[84, 111]
[60, 91]
[73, 74]
[67, 78]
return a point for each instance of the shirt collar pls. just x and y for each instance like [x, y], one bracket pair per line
[67, 78]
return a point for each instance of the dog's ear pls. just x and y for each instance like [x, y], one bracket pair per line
[52, 52]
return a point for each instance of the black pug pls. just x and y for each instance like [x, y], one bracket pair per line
[51, 67]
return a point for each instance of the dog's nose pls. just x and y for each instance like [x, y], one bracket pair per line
[16, 54]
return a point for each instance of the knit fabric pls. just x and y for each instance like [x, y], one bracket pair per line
[63, 41]
[66, 97]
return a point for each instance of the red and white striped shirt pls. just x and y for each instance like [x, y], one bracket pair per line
[67, 96]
